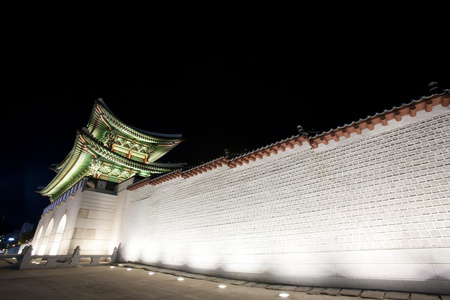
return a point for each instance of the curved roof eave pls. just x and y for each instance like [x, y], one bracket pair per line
[65, 168]
[136, 132]
[103, 152]
[85, 145]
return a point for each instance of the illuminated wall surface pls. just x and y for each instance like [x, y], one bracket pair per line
[370, 211]
[86, 219]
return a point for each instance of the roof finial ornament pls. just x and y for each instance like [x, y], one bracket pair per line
[434, 88]
[300, 129]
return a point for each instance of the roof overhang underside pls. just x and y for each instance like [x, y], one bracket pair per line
[87, 156]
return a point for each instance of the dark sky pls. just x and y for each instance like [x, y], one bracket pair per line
[220, 93]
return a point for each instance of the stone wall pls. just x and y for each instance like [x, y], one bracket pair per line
[94, 223]
[368, 211]
[65, 214]
[84, 219]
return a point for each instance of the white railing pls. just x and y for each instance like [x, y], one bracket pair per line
[25, 260]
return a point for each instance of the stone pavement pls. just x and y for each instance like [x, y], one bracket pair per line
[133, 281]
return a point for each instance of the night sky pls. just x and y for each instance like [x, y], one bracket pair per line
[231, 92]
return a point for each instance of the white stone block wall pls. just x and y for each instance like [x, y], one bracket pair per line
[371, 211]
[51, 220]
[89, 223]
[94, 223]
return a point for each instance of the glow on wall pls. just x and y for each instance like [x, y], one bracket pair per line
[371, 208]
[58, 236]
[46, 238]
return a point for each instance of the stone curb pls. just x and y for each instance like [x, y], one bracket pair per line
[357, 293]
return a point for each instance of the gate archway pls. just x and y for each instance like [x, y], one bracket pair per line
[58, 236]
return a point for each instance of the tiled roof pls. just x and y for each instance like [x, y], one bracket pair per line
[88, 148]
[102, 116]
[397, 113]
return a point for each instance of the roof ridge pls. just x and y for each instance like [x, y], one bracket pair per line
[394, 108]
[424, 103]
[102, 103]
[396, 112]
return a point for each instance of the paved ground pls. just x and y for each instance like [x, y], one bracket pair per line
[103, 282]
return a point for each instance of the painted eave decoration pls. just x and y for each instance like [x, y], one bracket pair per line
[111, 150]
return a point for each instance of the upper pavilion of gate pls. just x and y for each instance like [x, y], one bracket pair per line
[111, 150]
